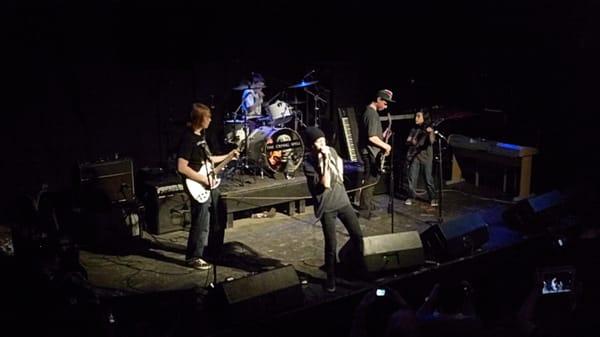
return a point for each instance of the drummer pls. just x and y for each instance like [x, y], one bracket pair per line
[252, 97]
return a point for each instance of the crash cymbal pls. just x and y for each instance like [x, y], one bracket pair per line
[242, 87]
[302, 84]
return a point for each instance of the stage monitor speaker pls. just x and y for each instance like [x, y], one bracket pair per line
[536, 213]
[387, 251]
[113, 179]
[265, 293]
[457, 237]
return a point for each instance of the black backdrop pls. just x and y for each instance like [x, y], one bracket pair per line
[91, 80]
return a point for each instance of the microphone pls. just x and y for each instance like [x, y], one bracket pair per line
[440, 134]
[309, 73]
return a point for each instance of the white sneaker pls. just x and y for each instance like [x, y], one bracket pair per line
[199, 264]
[408, 202]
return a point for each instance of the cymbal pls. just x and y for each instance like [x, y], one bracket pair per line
[296, 102]
[233, 121]
[242, 87]
[302, 84]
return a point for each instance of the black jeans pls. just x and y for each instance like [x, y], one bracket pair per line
[350, 221]
[371, 177]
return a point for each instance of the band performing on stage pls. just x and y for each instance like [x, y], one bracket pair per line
[271, 137]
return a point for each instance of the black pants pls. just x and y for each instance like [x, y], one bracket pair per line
[371, 177]
[350, 221]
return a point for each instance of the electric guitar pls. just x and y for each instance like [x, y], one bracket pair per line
[421, 137]
[380, 159]
[196, 189]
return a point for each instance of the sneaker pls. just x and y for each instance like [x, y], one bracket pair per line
[434, 203]
[198, 263]
[408, 202]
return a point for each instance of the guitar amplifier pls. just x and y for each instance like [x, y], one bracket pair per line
[167, 205]
[113, 179]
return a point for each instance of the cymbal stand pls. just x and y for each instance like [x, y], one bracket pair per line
[316, 98]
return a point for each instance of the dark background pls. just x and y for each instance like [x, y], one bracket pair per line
[87, 80]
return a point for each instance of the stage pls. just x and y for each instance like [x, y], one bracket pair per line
[151, 269]
[268, 278]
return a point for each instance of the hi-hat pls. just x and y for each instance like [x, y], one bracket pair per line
[296, 102]
[302, 84]
[242, 87]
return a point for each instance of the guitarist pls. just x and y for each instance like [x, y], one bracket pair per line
[419, 157]
[193, 153]
[372, 142]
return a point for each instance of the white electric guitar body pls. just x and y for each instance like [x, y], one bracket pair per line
[200, 193]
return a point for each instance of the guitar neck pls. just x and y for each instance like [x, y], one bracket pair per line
[388, 129]
[225, 161]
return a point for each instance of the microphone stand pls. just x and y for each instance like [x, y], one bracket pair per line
[391, 188]
[440, 175]
[241, 164]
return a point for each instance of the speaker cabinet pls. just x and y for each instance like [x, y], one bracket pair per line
[112, 179]
[536, 213]
[457, 237]
[261, 294]
[387, 251]
[169, 213]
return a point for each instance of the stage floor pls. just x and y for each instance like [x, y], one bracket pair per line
[146, 284]
[156, 262]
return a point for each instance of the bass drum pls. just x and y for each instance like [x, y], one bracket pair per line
[276, 149]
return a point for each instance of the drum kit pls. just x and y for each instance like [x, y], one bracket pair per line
[266, 142]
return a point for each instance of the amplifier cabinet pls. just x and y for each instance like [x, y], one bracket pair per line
[113, 179]
[167, 207]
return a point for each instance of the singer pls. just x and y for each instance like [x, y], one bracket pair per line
[324, 171]
[419, 157]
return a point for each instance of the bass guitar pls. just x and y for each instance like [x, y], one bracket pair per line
[196, 189]
[380, 159]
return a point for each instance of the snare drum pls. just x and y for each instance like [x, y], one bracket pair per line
[276, 149]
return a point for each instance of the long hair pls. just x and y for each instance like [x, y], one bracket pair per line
[426, 117]
[197, 115]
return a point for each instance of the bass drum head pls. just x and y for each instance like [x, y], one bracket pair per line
[276, 149]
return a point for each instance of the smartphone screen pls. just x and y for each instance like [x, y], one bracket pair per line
[558, 281]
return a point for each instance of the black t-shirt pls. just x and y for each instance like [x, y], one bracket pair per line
[194, 149]
[325, 200]
[371, 126]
